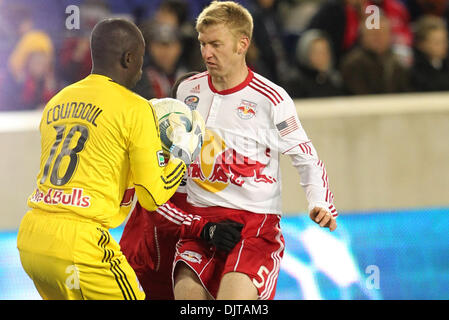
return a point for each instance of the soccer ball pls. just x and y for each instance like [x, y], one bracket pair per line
[164, 108]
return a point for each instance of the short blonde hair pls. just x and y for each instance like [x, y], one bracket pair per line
[425, 25]
[231, 14]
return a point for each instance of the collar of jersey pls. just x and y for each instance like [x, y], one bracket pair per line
[99, 76]
[238, 87]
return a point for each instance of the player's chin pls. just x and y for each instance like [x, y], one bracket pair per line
[213, 69]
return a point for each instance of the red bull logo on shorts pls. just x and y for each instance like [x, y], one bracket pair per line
[191, 256]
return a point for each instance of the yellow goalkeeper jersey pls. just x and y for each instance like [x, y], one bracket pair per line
[97, 139]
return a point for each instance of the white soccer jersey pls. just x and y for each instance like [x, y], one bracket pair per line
[247, 128]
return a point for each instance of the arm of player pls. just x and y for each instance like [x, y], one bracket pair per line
[313, 176]
[293, 141]
[155, 181]
[223, 235]
[178, 222]
[315, 183]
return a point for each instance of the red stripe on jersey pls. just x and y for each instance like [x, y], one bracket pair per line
[261, 87]
[273, 91]
[294, 147]
[323, 177]
[329, 196]
[198, 76]
[307, 149]
[263, 93]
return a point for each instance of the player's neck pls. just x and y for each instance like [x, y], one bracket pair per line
[110, 74]
[232, 79]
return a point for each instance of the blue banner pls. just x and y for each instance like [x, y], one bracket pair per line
[400, 254]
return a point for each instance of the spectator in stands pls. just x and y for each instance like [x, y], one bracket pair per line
[372, 67]
[74, 56]
[300, 12]
[163, 65]
[340, 19]
[36, 86]
[402, 37]
[316, 75]
[418, 8]
[173, 12]
[268, 40]
[29, 80]
[176, 14]
[430, 71]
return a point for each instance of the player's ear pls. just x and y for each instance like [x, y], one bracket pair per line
[125, 59]
[243, 45]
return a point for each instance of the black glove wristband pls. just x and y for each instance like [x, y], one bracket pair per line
[223, 235]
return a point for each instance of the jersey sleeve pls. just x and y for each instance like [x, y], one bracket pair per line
[178, 222]
[291, 139]
[155, 181]
[167, 217]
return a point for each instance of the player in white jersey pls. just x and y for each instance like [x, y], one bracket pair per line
[250, 121]
[248, 127]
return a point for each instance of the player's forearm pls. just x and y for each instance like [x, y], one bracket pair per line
[176, 221]
[314, 180]
[156, 188]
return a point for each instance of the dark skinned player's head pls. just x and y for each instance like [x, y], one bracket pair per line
[178, 81]
[118, 48]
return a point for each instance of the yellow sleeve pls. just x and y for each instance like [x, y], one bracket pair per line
[155, 181]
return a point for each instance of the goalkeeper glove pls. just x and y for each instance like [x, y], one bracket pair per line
[186, 145]
[223, 235]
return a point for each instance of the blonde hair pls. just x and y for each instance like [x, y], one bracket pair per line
[425, 25]
[231, 14]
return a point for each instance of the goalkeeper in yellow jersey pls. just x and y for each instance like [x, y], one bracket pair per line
[97, 139]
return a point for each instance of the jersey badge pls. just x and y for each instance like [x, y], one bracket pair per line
[246, 110]
[160, 158]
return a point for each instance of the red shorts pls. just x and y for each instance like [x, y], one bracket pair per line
[258, 254]
[150, 251]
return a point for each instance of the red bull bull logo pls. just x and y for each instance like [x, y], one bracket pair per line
[246, 110]
[219, 166]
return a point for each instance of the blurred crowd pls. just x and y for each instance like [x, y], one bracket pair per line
[313, 48]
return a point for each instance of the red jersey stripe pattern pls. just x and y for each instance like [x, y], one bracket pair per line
[329, 198]
[266, 90]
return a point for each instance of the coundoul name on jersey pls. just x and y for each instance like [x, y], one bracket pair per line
[59, 197]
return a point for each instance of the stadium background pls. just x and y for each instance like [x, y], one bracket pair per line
[387, 159]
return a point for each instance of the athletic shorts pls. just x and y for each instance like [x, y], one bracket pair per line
[74, 258]
[150, 251]
[257, 255]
